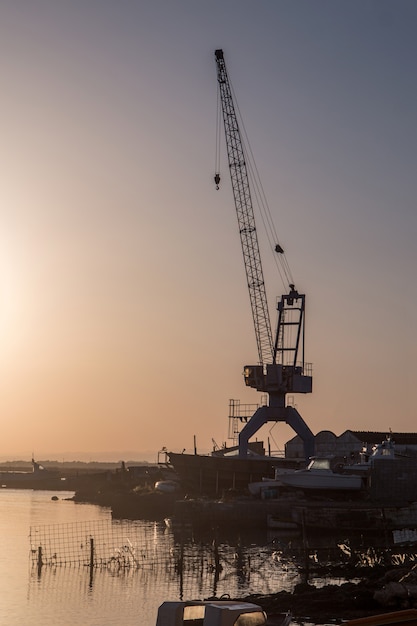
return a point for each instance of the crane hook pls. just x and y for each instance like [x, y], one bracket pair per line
[217, 180]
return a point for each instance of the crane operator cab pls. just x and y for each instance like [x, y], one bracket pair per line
[276, 378]
[288, 372]
[210, 613]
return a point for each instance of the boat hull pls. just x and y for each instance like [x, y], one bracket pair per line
[213, 474]
[322, 480]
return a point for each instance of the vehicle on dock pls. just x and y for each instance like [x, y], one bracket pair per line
[213, 613]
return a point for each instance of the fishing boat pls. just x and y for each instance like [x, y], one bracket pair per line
[381, 451]
[38, 477]
[224, 469]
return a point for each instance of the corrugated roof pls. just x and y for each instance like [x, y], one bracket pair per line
[374, 437]
[402, 439]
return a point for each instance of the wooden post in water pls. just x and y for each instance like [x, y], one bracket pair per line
[217, 565]
[181, 567]
[91, 552]
[91, 562]
[40, 562]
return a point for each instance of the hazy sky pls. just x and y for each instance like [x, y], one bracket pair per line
[124, 314]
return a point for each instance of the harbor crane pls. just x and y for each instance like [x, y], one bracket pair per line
[281, 368]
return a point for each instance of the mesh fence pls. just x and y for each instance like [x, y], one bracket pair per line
[99, 543]
[129, 544]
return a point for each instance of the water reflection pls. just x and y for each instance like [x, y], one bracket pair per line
[141, 564]
[205, 565]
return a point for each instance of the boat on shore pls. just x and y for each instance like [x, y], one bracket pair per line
[319, 475]
[225, 470]
[327, 473]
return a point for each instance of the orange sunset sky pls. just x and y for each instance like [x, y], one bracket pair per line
[124, 314]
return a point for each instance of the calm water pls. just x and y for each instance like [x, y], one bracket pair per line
[57, 595]
[138, 564]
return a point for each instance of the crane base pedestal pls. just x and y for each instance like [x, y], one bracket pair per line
[287, 414]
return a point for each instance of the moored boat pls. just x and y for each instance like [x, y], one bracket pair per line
[38, 477]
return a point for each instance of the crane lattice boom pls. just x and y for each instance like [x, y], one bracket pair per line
[245, 216]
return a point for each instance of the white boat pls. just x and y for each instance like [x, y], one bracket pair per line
[319, 475]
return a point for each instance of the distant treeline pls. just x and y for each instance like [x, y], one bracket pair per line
[8, 466]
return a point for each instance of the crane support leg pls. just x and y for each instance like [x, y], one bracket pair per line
[287, 414]
[258, 419]
[294, 419]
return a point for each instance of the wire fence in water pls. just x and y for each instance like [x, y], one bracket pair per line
[100, 543]
[129, 547]
[127, 544]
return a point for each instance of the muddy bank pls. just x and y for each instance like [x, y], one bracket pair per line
[373, 595]
[332, 603]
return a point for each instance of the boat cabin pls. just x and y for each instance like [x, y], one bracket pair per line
[210, 613]
[320, 463]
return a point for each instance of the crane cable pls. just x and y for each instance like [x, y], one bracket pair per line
[257, 189]
[218, 141]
